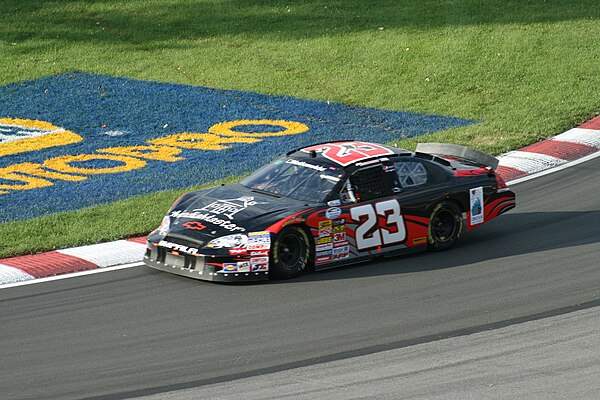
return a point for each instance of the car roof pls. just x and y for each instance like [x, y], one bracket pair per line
[346, 153]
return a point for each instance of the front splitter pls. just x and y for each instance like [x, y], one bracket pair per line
[203, 275]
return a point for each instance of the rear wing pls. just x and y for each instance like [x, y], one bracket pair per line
[460, 152]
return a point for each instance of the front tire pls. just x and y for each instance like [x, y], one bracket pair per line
[445, 226]
[290, 253]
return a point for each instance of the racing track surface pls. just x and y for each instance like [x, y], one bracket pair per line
[139, 331]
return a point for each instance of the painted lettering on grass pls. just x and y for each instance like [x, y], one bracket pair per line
[28, 176]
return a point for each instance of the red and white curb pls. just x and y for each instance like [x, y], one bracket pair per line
[76, 259]
[577, 143]
[571, 145]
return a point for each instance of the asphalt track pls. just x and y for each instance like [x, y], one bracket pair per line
[137, 331]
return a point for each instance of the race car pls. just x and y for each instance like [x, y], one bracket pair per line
[329, 205]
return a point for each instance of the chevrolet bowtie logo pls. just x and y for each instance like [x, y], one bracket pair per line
[194, 225]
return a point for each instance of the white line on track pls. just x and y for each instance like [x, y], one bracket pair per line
[139, 264]
[73, 275]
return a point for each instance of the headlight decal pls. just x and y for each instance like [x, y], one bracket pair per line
[229, 241]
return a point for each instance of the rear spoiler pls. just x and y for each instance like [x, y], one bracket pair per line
[453, 150]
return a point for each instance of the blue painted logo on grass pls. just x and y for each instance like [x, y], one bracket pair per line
[77, 140]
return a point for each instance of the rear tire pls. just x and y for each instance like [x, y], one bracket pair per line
[290, 254]
[445, 226]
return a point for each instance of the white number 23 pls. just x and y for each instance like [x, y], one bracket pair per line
[390, 210]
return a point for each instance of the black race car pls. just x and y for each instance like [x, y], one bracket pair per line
[329, 205]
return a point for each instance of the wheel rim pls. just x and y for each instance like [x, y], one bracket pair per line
[289, 251]
[443, 226]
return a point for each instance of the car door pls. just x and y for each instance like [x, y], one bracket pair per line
[374, 219]
[384, 209]
[391, 208]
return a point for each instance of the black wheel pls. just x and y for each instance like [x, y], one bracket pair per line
[445, 226]
[291, 253]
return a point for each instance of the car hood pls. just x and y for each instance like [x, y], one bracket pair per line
[226, 210]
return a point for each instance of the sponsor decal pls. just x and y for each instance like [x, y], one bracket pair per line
[243, 266]
[229, 267]
[334, 203]
[259, 241]
[324, 253]
[259, 260]
[178, 247]
[340, 221]
[194, 225]
[476, 201]
[421, 240]
[260, 267]
[230, 207]
[323, 240]
[324, 232]
[206, 217]
[325, 246]
[306, 165]
[325, 224]
[339, 237]
[339, 228]
[259, 253]
[323, 259]
[341, 252]
[73, 136]
[333, 213]
[237, 252]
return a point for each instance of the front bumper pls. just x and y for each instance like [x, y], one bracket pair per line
[198, 266]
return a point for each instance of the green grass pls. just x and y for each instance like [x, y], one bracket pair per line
[525, 69]
[128, 218]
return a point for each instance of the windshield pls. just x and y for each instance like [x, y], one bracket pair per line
[296, 179]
